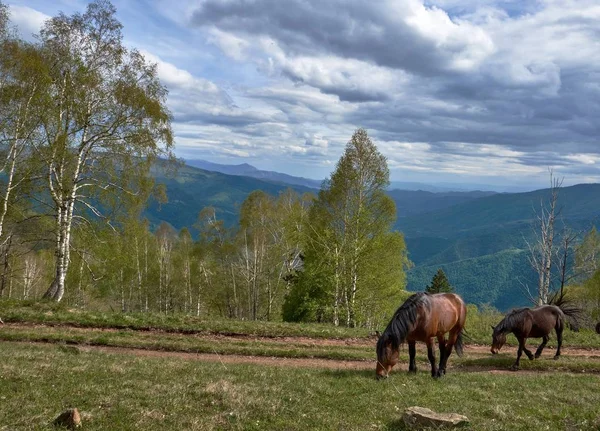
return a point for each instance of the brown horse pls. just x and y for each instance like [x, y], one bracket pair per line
[421, 318]
[530, 322]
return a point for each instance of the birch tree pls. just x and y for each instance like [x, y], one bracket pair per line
[3, 20]
[21, 88]
[104, 121]
[349, 223]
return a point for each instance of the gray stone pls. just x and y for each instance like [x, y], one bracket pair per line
[420, 417]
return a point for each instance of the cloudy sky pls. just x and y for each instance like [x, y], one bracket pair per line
[460, 91]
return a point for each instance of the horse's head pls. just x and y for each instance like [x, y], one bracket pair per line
[498, 340]
[387, 357]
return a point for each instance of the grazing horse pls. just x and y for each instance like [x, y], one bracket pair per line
[530, 322]
[421, 318]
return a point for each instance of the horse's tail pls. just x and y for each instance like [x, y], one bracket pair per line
[568, 308]
[459, 345]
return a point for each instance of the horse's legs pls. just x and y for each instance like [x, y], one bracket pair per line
[412, 352]
[528, 352]
[431, 357]
[559, 332]
[538, 352]
[443, 356]
[515, 366]
[446, 351]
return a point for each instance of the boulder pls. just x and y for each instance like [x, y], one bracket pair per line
[69, 418]
[420, 417]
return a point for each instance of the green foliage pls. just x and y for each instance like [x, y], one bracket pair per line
[439, 283]
[587, 294]
[307, 300]
[352, 259]
[587, 255]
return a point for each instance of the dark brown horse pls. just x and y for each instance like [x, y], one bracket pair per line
[530, 323]
[423, 317]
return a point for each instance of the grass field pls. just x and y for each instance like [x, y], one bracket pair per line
[478, 325]
[120, 391]
[52, 359]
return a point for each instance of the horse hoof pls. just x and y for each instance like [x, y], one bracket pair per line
[556, 357]
[413, 371]
[537, 356]
[440, 373]
[514, 368]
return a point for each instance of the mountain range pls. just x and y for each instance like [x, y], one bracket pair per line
[247, 170]
[477, 237]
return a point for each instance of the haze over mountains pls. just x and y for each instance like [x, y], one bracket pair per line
[247, 170]
[477, 237]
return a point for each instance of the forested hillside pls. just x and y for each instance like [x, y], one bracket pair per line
[482, 244]
[189, 190]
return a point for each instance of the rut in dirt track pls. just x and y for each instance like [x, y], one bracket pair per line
[230, 360]
[477, 349]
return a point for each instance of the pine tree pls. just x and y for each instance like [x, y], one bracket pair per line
[439, 283]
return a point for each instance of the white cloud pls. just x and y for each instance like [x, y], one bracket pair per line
[28, 21]
[233, 46]
[173, 76]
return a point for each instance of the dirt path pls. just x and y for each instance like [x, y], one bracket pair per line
[231, 360]
[471, 351]
[308, 341]
[477, 349]
[566, 351]
[239, 359]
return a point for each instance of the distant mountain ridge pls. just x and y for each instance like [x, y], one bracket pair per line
[193, 188]
[247, 170]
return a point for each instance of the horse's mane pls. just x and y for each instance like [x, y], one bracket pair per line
[402, 322]
[511, 320]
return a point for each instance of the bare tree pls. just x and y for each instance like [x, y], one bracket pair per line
[542, 249]
[562, 257]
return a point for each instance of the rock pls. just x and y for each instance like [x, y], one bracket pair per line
[420, 417]
[69, 418]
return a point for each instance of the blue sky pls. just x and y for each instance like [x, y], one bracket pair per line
[463, 91]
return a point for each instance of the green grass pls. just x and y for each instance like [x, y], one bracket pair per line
[478, 328]
[125, 392]
[58, 314]
[165, 341]
[68, 338]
